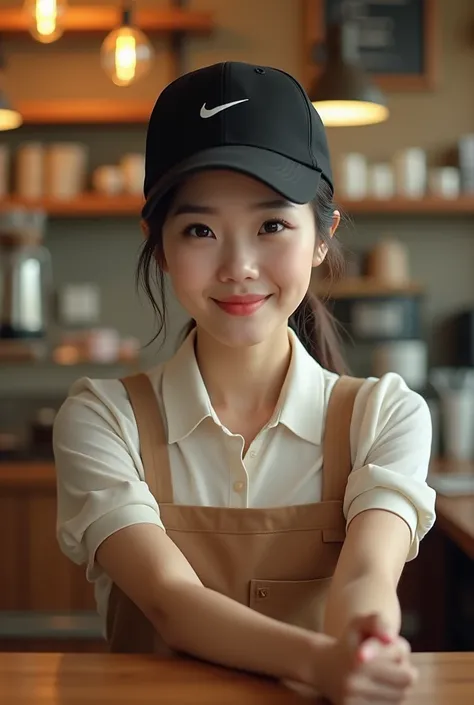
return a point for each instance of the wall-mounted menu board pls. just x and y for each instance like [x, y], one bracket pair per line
[396, 39]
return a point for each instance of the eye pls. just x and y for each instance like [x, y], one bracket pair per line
[198, 230]
[273, 226]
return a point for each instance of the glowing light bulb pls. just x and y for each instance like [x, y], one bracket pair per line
[126, 55]
[45, 19]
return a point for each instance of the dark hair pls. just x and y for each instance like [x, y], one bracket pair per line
[312, 322]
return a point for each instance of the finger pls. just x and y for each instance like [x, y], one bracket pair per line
[362, 689]
[391, 674]
[399, 650]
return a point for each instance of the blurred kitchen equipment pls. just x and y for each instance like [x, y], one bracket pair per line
[30, 170]
[408, 358]
[4, 170]
[66, 169]
[79, 305]
[410, 172]
[381, 181]
[388, 262]
[133, 172]
[445, 182]
[98, 345]
[108, 180]
[25, 275]
[434, 409]
[380, 318]
[352, 176]
[462, 338]
[466, 162]
[455, 387]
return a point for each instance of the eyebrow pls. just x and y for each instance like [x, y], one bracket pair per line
[189, 208]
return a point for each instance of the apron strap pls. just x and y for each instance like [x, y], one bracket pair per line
[337, 463]
[151, 432]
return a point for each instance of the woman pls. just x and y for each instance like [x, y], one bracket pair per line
[245, 502]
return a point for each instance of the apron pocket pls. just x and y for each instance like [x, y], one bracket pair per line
[298, 602]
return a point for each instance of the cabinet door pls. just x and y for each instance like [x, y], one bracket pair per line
[35, 575]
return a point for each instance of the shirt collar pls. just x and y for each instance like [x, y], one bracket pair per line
[302, 399]
[300, 407]
[185, 396]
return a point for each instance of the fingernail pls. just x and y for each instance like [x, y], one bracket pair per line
[366, 653]
[386, 638]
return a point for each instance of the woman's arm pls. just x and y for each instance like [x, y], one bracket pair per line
[144, 562]
[367, 574]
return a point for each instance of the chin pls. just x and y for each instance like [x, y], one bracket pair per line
[242, 334]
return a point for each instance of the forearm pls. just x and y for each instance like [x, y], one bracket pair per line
[362, 596]
[211, 626]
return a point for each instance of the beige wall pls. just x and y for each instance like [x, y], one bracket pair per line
[267, 32]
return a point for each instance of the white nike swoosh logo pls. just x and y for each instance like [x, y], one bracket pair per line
[207, 113]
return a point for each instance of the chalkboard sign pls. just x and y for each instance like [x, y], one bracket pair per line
[396, 38]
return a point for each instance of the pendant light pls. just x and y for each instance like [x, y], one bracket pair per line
[126, 53]
[10, 118]
[45, 19]
[344, 95]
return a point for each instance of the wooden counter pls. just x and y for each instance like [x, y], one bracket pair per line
[69, 679]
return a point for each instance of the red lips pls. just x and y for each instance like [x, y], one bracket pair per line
[242, 305]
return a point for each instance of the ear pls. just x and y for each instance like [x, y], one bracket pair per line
[321, 249]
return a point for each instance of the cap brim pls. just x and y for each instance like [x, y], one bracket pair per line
[294, 181]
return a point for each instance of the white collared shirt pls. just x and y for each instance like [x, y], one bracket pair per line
[100, 476]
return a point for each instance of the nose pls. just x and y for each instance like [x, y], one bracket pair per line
[238, 263]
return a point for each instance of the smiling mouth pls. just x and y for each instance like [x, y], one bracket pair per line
[242, 305]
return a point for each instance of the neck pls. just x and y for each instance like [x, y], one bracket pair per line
[247, 379]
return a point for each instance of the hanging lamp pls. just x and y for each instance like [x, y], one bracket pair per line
[344, 95]
[126, 53]
[10, 118]
[45, 19]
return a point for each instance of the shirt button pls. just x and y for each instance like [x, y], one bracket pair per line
[239, 486]
[253, 454]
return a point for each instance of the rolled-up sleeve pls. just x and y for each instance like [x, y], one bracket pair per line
[391, 442]
[100, 488]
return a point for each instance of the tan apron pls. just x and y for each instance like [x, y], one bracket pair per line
[278, 561]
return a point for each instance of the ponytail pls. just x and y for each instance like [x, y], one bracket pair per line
[317, 330]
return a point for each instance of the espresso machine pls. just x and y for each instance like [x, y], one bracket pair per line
[25, 284]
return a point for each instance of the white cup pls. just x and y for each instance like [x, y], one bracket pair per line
[381, 181]
[457, 408]
[445, 182]
[66, 168]
[410, 172]
[108, 179]
[30, 170]
[352, 177]
[133, 170]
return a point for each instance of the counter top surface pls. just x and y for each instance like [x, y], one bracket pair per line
[77, 679]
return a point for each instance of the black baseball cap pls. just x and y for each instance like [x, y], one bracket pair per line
[256, 120]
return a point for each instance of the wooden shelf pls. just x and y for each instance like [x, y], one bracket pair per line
[93, 204]
[430, 205]
[85, 112]
[103, 19]
[362, 287]
[89, 204]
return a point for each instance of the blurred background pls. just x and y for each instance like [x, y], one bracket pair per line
[393, 83]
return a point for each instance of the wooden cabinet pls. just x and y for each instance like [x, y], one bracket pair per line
[35, 575]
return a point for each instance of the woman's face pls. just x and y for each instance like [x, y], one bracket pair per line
[239, 256]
